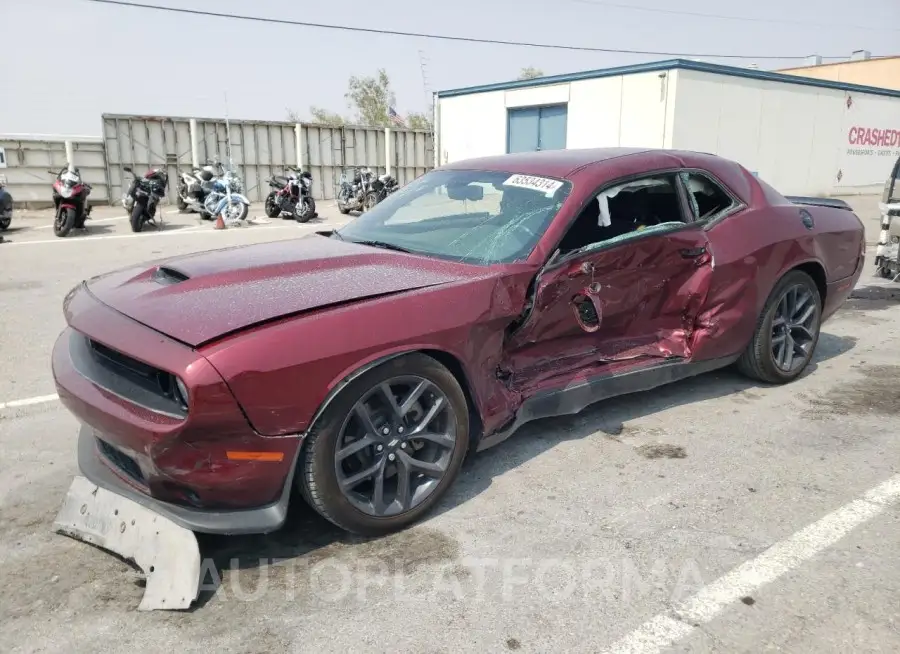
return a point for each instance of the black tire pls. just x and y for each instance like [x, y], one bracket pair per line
[307, 209]
[343, 208]
[64, 222]
[758, 361]
[180, 203]
[272, 211]
[137, 217]
[4, 223]
[317, 476]
[884, 272]
[370, 202]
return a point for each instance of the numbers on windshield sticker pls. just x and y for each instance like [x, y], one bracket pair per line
[547, 186]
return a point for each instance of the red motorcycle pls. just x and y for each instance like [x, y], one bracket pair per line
[291, 196]
[70, 198]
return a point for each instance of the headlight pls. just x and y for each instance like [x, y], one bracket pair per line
[66, 191]
[181, 392]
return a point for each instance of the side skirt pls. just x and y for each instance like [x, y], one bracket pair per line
[573, 399]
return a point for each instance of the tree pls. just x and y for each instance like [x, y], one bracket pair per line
[416, 120]
[319, 116]
[372, 98]
[325, 117]
[530, 72]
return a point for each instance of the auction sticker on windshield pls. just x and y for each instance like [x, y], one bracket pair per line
[547, 186]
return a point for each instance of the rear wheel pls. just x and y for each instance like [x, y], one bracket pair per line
[787, 331]
[4, 223]
[137, 217]
[64, 221]
[272, 209]
[388, 447]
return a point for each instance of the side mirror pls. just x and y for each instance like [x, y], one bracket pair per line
[127, 169]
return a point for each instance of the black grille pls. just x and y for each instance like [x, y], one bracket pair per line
[121, 461]
[123, 364]
[125, 376]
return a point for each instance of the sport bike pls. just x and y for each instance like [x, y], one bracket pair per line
[70, 200]
[291, 196]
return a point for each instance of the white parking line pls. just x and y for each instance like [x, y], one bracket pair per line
[666, 629]
[28, 401]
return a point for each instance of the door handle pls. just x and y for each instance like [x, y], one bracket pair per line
[691, 253]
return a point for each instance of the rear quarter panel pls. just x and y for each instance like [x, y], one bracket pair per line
[753, 249]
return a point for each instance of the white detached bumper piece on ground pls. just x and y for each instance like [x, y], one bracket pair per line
[167, 553]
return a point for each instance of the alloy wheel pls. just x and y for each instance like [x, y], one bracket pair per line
[794, 328]
[395, 446]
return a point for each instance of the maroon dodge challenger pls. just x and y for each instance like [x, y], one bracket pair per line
[361, 365]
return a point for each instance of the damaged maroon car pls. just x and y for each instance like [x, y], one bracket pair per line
[362, 365]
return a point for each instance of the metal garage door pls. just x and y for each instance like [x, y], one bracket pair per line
[537, 128]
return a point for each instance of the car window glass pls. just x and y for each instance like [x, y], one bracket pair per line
[636, 207]
[475, 216]
[707, 199]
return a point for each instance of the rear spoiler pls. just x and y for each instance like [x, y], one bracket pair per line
[834, 203]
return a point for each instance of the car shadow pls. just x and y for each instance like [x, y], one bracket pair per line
[610, 417]
[308, 538]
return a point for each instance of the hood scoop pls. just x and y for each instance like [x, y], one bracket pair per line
[166, 275]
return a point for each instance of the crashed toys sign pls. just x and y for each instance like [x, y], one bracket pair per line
[869, 154]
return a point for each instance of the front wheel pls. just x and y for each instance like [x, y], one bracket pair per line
[387, 448]
[180, 203]
[5, 222]
[137, 217]
[64, 222]
[786, 333]
[236, 212]
[342, 207]
[305, 210]
[371, 201]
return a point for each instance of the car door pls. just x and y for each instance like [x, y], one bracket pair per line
[634, 298]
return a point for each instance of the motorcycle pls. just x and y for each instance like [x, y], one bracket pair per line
[887, 254]
[291, 196]
[6, 206]
[384, 186]
[219, 194]
[143, 196]
[223, 198]
[356, 192]
[70, 200]
[190, 194]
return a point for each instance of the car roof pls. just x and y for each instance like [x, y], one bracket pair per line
[554, 163]
[564, 163]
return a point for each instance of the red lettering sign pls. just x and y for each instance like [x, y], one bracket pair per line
[874, 136]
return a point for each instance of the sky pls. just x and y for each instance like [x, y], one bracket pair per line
[66, 62]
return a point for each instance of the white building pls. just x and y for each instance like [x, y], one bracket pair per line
[804, 136]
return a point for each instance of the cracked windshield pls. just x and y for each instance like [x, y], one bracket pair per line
[474, 216]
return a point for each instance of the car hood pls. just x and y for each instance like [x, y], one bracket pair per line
[199, 298]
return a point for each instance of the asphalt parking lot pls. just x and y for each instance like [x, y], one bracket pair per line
[713, 515]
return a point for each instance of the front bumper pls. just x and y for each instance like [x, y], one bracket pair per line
[205, 467]
[263, 519]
